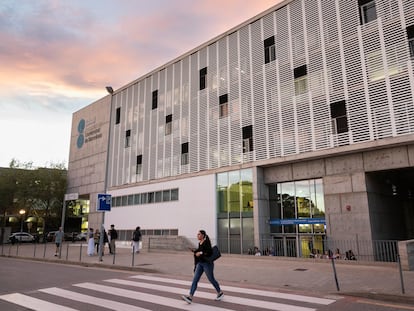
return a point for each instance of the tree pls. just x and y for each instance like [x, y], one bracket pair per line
[39, 191]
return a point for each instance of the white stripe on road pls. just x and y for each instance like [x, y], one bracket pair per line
[113, 305]
[156, 299]
[307, 299]
[232, 299]
[34, 303]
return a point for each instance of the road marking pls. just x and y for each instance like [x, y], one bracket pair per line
[227, 298]
[307, 299]
[34, 303]
[114, 305]
[157, 299]
[395, 306]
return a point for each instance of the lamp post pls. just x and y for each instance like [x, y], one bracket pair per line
[21, 212]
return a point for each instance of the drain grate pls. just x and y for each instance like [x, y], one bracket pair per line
[300, 269]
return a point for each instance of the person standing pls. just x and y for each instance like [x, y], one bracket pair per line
[58, 240]
[96, 237]
[202, 264]
[136, 240]
[91, 242]
[113, 235]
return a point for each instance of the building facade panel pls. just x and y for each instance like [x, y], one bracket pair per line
[303, 116]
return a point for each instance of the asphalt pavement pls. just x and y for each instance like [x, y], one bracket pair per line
[382, 281]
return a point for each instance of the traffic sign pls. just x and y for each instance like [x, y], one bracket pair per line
[104, 202]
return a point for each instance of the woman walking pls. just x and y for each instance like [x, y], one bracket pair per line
[202, 264]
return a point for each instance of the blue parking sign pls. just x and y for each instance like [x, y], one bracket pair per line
[104, 202]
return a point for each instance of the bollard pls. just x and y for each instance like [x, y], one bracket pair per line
[34, 251]
[44, 250]
[133, 255]
[113, 260]
[334, 270]
[67, 251]
[401, 274]
[80, 252]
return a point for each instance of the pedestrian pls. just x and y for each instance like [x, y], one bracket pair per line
[91, 242]
[136, 240]
[202, 264]
[96, 237]
[113, 235]
[58, 240]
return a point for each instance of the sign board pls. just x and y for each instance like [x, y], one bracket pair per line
[300, 221]
[104, 202]
[71, 196]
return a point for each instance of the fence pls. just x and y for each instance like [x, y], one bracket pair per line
[363, 250]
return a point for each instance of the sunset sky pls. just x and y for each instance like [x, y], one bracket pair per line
[57, 57]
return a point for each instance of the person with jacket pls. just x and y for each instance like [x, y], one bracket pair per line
[136, 240]
[202, 264]
[113, 235]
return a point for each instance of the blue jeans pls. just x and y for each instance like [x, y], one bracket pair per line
[208, 268]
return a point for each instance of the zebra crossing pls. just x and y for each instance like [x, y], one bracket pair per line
[146, 292]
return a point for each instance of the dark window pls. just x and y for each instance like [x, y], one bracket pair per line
[184, 154]
[151, 196]
[301, 79]
[168, 124]
[269, 49]
[203, 78]
[124, 200]
[138, 169]
[174, 194]
[367, 11]
[223, 106]
[118, 115]
[410, 35]
[127, 138]
[247, 138]
[131, 199]
[155, 99]
[166, 195]
[339, 118]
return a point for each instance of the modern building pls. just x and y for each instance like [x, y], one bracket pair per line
[294, 127]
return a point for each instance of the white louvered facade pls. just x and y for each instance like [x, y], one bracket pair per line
[367, 66]
[308, 92]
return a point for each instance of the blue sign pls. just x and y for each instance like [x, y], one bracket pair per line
[104, 202]
[300, 221]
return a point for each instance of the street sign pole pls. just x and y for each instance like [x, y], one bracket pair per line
[103, 204]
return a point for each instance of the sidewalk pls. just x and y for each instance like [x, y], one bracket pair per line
[371, 280]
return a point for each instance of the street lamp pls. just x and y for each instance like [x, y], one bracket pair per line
[21, 212]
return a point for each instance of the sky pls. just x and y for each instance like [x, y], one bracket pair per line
[57, 56]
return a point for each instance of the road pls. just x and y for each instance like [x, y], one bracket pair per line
[29, 285]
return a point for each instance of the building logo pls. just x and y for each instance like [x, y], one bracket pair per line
[81, 138]
[87, 131]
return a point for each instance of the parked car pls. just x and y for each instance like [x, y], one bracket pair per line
[21, 237]
[81, 236]
[71, 236]
[50, 236]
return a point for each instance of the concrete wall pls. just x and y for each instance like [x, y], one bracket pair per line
[352, 209]
[87, 161]
[194, 210]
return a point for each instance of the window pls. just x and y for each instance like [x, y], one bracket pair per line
[118, 115]
[269, 49]
[301, 80]
[168, 124]
[410, 35]
[247, 138]
[339, 118]
[223, 106]
[155, 99]
[184, 154]
[203, 77]
[138, 169]
[367, 11]
[174, 194]
[127, 138]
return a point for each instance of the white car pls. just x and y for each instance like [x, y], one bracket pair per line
[21, 237]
